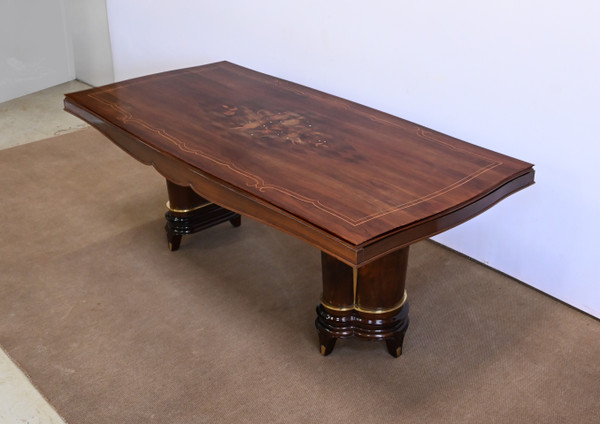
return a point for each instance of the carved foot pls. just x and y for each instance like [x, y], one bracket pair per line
[236, 221]
[173, 239]
[327, 343]
[394, 344]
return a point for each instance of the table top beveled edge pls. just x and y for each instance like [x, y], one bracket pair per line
[441, 222]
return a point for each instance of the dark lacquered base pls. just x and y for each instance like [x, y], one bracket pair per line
[367, 302]
[178, 225]
[189, 213]
[333, 325]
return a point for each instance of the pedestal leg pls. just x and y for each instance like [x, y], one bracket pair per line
[188, 213]
[367, 302]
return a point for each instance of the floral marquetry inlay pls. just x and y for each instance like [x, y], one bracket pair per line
[285, 127]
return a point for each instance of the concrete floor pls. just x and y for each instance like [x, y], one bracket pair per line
[37, 116]
[30, 118]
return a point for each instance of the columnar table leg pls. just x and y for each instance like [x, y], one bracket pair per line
[367, 302]
[188, 213]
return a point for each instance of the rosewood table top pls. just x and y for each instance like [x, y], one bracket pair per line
[355, 182]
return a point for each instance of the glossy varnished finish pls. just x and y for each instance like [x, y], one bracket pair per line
[367, 302]
[345, 178]
[358, 184]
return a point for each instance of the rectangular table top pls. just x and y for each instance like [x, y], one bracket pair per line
[333, 171]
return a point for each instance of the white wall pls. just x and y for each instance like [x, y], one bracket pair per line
[516, 76]
[35, 50]
[92, 53]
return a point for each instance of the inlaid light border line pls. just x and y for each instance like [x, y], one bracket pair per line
[259, 184]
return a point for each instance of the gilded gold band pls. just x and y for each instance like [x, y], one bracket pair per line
[337, 308]
[187, 210]
[366, 310]
[383, 310]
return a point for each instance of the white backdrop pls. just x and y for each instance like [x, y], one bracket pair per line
[516, 76]
[88, 26]
[35, 47]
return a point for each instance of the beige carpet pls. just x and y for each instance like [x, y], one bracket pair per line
[113, 328]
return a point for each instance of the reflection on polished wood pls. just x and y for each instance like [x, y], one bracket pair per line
[358, 184]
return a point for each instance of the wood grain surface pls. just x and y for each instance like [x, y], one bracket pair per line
[355, 182]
